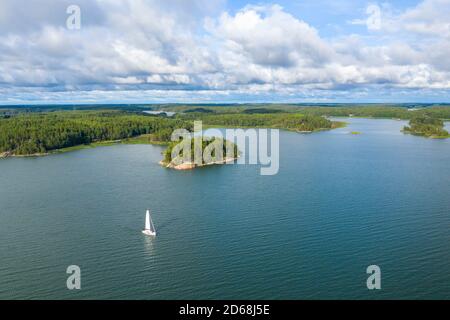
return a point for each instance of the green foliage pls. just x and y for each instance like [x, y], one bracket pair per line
[396, 111]
[199, 110]
[34, 133]
[426, 126]
[227, 148]
[379, 112]
[291, 121]
[261, 111]
[23, 132]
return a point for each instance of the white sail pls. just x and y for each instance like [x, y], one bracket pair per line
[149, 227]
[147, 220]
[152, 226]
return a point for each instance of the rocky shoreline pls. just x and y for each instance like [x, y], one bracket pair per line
[191, 165]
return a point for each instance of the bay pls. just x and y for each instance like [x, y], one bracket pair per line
[339, 203]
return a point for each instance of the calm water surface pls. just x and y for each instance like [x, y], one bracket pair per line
[340, 202]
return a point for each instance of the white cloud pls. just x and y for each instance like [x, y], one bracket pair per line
[269, 36]
[259, 50]
[430, 17]
[267, 45]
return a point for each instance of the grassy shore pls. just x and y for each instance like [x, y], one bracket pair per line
[426, 135]
[142, 139]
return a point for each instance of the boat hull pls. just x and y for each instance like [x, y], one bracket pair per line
[149, 233]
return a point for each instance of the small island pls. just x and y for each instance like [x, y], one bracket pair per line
[427, 127]
[199, 152]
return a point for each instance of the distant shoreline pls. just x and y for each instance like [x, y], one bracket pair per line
[135, 140]
[335, 125]
[143, 139]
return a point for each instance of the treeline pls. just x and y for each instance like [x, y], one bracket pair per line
[27, 133]
[261, 111]
[379, 112]
[427, 126]
[291, 121]
[366, 111]
[34, 133]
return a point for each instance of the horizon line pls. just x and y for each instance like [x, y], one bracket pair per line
[217, 104]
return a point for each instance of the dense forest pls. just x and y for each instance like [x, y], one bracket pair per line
[426, 126]
[33, 130]
[380, 112]
[366, 111]
[27, 133]
[33, 133]
[290, 121]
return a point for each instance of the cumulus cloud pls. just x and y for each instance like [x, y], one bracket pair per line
[269, 36]
[197, 47]
[268, 45]
[430, 17]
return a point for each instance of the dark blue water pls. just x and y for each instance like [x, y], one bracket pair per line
[339, 203]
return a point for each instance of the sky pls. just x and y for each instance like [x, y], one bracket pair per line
[218, 51]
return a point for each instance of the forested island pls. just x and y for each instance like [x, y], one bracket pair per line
[427, 127]
[200, 151]
[289, 121]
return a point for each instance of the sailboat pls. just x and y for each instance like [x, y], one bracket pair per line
[149, 227]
